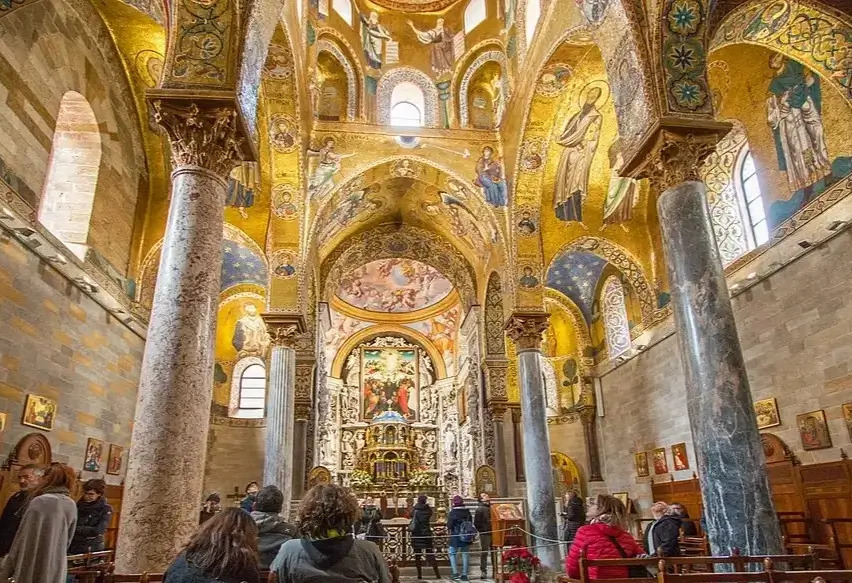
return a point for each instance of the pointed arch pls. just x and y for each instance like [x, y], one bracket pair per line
[497, 56]
[391, 79]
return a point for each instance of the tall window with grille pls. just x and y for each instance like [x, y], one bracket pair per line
[252, 399]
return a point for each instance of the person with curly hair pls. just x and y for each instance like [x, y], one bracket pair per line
[327, 550]
[222, 550]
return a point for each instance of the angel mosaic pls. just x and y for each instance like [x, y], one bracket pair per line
[328, 165]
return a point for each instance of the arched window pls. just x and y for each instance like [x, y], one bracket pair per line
[474, 14]
[407, 105]
[616, 324]
[344, 9]
[72, 175]
[751, 200]
[531, 16]
[252, 392]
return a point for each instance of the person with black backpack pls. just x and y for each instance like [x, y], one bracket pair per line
[371, 527]
[462, 534]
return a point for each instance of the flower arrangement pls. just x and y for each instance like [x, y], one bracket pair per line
[420, 479]
[519, 564]
[360, 479]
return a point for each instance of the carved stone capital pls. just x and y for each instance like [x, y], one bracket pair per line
[201, 134]
[498, 410]
[525, 329]
[304, 389]
[673, 152]
[516, 414]
[284, 330]
[302, 411]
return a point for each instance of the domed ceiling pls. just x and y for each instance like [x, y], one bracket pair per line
[394, 286]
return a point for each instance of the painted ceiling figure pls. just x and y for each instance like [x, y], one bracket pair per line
[372, 35]
[793, 112]
[580, 139]
[250, 335]
[441, 39]
[322, 180]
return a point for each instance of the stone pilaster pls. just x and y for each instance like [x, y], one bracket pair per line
[165, 470]
[303, 393]
[525, 330]
[587, 407]
[496, 400]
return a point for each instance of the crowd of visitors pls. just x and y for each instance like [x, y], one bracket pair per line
[334, 538]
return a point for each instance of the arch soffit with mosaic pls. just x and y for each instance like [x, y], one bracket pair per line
[497, 225]
[392, 78]
[557, 298]
[330, 41]
[485, 57]
[421, 245]
[621, 260]
[367, 334]
[821, 27]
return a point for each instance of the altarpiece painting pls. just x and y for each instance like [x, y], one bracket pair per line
[390, 382]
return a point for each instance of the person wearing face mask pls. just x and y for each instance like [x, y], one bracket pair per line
[93, 515]
[247, 503]
[28, 479]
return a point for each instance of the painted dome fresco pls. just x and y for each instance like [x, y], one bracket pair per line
[394, 285]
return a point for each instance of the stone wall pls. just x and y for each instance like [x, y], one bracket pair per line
[57, 342]
[796, 332]
[48, 48]
[234, 457]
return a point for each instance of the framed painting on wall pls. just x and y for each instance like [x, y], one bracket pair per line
[813, 430]
[679, 456]
[390, 383]
[766, 411]
[660, 464]
[642, 464]
[624, 497]
[39, 412]
[94, 455]
[847, 417]
[115, 460]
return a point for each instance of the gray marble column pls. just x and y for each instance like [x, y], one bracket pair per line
[729, 457]
[165, 471]
[526, 330]
[498, 415]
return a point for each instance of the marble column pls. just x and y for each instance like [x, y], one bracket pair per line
[300, 448]
[525, 329]
[280, 400]
[729, 457]
[165, 470]
[498, 415]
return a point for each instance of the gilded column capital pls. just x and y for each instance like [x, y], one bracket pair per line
[525, 329]
[284, 330]
[674, 151]
[201, 134]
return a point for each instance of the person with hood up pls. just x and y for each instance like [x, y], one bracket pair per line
[605, 538]
[273, 531]
[247, 503]
[421, 536]
[93, 515]
[327, 551]
[662, 537]
[456, 522]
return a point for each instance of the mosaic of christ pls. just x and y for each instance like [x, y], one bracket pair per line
[394, 285]
[389, 382]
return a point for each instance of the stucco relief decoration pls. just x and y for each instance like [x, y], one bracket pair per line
[279, 63]
[285, 202]
[351, 78]
[464, 88]
[817, 39]
[553, 80]
[428, 403]
[450, 438]
[283, 133]
[202, 42]
[394, 77]
[684, 56]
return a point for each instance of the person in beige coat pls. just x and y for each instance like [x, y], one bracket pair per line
[40, 551]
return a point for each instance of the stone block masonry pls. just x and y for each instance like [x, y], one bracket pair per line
[57, 342]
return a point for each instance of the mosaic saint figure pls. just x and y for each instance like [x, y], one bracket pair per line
[372, 35]
[580, 140]
[793, 111]
[441, 40]
[621, 196]
[241, 185]
[490, 177]
[250, 335]
[322, 180]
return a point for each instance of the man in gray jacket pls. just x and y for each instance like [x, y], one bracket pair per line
[273, 530]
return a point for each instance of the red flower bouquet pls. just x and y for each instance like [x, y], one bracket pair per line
[519, 564]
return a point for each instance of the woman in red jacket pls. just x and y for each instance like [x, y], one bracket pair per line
[604, 538]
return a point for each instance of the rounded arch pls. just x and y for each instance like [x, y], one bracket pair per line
[567, 470]
[495, 340]
[371, 332]
[497, 56]
[584, 337]
[236, 381]
[416, 77]
[332, 42]
[777, 32]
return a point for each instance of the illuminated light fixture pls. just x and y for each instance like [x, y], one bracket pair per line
[836, 225]
[57, 259]
[620, 360]
[641, 347]
[87, 284]
[6, 214]
[805, 244]
[24, 232]
[734, 286]
[752, 276]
